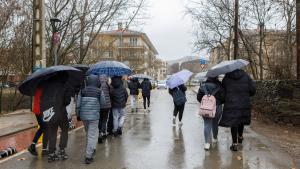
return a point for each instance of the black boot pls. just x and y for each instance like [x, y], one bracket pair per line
[100, 139]
[89, 160]
[120, 131]
[62, 154]
[240, 140]
[234, 147]
[32, 149]
[52, 157]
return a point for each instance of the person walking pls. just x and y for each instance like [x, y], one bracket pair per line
[119, 97]
[133, 86]
[105, 108]
[42, 130]
[88, 108]
[239, 87]
[54, 99]
[211, 87]
[179, 99]
[146, 92]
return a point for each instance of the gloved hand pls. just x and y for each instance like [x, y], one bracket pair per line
[78, 118]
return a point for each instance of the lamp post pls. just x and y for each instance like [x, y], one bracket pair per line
[55, 23]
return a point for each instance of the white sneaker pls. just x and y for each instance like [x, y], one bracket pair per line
[206, 146]
[145, 110]
[180, 124]
[214, 141]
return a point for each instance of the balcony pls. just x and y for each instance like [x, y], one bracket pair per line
[130, 46]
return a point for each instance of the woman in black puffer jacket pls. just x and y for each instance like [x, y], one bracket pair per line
[239, 87]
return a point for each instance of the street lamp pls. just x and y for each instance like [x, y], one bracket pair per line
[55, 23]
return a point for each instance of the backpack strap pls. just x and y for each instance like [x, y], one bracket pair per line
[215, 91]
[205, 89]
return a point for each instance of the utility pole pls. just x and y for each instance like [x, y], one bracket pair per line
[236, 27]
[298, 38]
[38, 43]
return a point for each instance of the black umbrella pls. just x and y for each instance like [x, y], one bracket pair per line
[27, 87]
[82, 67]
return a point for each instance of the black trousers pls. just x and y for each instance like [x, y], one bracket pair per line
[178, 109]
[42, 130]
[236, 132]
[146, 99]
[104, 113]
[53, 128]
[110, 123]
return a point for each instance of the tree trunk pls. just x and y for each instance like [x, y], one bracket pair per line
[236, 23]
[261, 38]
[298, 37]
[82, 30]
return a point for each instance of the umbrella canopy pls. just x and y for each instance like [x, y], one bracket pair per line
[226, 66]
[141, 76]
[27, 87]
[179, 78]
[82, 67]
[109, 68]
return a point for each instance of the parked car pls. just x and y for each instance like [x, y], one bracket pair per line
[162, 84]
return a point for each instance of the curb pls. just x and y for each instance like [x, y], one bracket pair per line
[17, 131]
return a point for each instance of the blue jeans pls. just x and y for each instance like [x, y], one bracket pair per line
[119, 118]
[211, 125]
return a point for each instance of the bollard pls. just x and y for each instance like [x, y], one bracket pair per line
[7, 152]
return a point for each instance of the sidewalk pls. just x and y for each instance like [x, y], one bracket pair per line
[17, 121]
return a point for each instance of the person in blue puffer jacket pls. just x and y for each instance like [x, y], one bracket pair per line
[87, 109]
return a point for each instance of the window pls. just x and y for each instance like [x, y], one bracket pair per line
[133, 41]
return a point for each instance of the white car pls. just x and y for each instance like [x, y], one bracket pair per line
[162, 84]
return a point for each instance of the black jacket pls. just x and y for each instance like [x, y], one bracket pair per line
[55, 97]
[146, 87]
[118, 93]
[181, 87]
[133, 86]
[210, 87]
[239, 87]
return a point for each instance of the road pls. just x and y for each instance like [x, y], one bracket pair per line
[150, 141]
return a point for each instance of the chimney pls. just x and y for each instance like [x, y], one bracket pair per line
[120, 26]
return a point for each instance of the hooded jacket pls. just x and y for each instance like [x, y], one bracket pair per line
[89, 99]
[118, 93]
[181, 87]
[212, 86]
[146, 87]
[133, 86]
[54, 99]
[239, 87]
[105, 91]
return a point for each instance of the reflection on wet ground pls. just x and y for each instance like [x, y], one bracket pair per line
[151, 141]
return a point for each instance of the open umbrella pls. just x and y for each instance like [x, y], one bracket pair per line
[179, 78]
[28, 86]
[82, 67]
[109, 68]
[226, 66]
[141, 76]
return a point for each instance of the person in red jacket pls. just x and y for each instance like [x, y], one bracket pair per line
[42, 125]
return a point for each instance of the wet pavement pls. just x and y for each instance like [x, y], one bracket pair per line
[150, 141]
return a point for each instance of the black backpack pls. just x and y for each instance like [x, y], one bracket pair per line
[179, 97]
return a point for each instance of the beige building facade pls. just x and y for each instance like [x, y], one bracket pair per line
[130, 47]
[276, 63]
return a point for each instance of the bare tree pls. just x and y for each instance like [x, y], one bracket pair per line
[214, 19]
[83, 20]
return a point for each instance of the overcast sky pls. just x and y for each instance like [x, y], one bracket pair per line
[169, 29]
